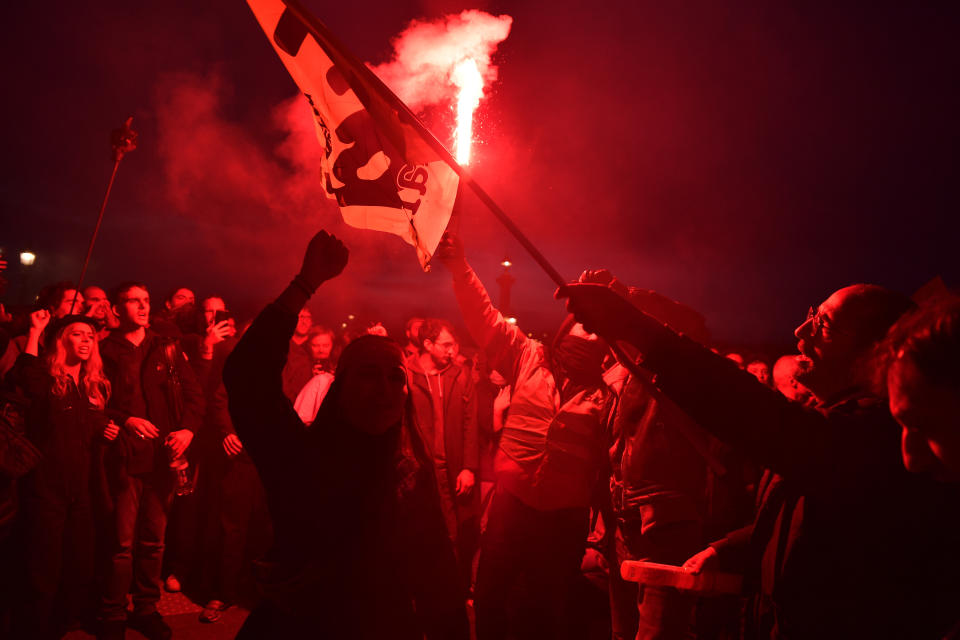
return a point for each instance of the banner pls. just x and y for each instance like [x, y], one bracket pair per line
[376, 165]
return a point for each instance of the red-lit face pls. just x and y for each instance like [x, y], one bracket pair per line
[321, 345]
[760, 371]
[930, 417]
[373, 395]
[210, 308]
[442, 350]
[181, 298]
[134, 309]
[78, 339]
[96, 303]
[413, 329]
[66, 303]
[304, 322]
[827, 347]
[784, 379]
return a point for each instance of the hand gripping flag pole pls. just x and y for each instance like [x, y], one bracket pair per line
[122, 140]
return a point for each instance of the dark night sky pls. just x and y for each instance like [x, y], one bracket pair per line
[746, 160]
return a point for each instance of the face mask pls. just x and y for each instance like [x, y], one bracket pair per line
[579, 359]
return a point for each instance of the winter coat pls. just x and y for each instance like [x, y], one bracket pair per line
[143, 387]
[460, 435]
[64, 429]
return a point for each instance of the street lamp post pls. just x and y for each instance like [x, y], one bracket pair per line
[506, 280]
[27, 260]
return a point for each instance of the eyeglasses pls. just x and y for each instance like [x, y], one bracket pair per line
[817, 319]
[820, 321]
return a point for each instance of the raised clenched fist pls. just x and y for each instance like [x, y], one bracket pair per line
[39, 320]
[325, 258]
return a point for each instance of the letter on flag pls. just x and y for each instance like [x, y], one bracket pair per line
[376, 165]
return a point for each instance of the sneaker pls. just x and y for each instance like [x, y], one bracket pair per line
[111, 630]
[171, 584]
[151, 625]
[213, 611]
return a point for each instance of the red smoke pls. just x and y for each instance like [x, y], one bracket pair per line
[426, 53]
[221, 166]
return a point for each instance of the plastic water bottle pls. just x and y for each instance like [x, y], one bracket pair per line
[182, 476]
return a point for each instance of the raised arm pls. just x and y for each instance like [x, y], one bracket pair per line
[262, 415]
[503, 342]
[798, 443]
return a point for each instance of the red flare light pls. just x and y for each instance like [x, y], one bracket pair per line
[466, 76]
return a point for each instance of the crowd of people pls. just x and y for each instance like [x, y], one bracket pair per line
[492, 485]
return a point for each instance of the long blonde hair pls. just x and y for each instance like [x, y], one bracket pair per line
[93, 384]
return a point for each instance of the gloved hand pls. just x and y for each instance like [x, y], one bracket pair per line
[603, 311]
[604, 277]
[325, 258]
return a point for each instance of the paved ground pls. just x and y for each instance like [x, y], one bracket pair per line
[182, 616]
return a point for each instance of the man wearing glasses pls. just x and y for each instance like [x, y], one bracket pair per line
[445, 400]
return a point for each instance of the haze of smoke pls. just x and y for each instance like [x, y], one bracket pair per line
[220, 167]
[426, 52]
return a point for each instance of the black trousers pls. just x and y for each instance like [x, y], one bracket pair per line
[56, 543]
[539, 551]
[244, 529]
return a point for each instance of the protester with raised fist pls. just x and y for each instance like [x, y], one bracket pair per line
[360, 546]
[68, 392]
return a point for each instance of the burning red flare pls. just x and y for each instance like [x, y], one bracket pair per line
[449, 58]
[466, 76]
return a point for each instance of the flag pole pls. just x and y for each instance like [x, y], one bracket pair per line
[123, 140]
[322, 35]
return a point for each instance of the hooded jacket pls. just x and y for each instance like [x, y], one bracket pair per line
[460, 437]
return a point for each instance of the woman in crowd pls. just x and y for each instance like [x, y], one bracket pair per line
[66, 419]
[360, 545]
